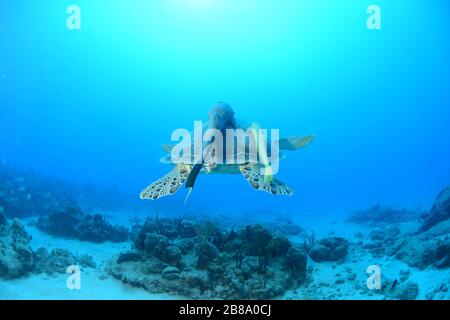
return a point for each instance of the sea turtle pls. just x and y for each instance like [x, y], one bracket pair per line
[258, 174]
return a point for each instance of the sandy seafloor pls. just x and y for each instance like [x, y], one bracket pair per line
[96, 284]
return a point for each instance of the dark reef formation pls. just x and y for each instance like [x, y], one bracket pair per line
[428, 246]
[439, 212]
[25, 194]
[382, 215]
[17, 259]
[399, 290]
[72, 222]
[329, 249]
[199, 260]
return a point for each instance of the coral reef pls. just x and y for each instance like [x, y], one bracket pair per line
[53, 262]
[25, 193]
[72, 222]
[16, 257]
[206, 262]
[329, 249]
[18, 260]
[296, 261]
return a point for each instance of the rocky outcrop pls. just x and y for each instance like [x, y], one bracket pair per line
[329, 249]
[53, 262]
[439, 212]
[296, 261]
[71, 222]
[25, 194]
[206, 253]
[430, 248]
[16, 257]
[18, 260]
[251, 263]
[382, 215]
[384, 241]
[396, 290]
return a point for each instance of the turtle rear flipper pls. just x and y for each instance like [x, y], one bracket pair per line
[169, 184]
[253, 175]
[294, 143]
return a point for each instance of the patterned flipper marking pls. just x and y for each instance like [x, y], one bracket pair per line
[167, 185]
[256, 179]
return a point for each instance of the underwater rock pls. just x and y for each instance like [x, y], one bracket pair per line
[442, 254]
[62, 222]
[329, 249]
[197, 279]
[171, 255]
[135, 236]
[27, 193]
[382, 215]
[384, 241]
[3, 219]
[256, 239]
[206, 252]
[187, 229]
[404, 274]
[53, 262]
[171, 273]
[86, 260]
[71, 222]
[155, 244]
[439, 212]
[171, 266]
[400, 291]
[296, 261]
[168, 229]
[278, 245]
[421, 254]
[24, 194]
[16, 257]
[163, 226]
[288, 228]
[129, 257]
[186, 245]
[430, 248]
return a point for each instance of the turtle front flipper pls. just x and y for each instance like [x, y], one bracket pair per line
[294, 143]
[169, 184]
[257, 180]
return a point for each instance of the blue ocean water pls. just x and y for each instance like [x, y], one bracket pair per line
[95, 105]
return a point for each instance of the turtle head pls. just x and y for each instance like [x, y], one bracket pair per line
[220, 116]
